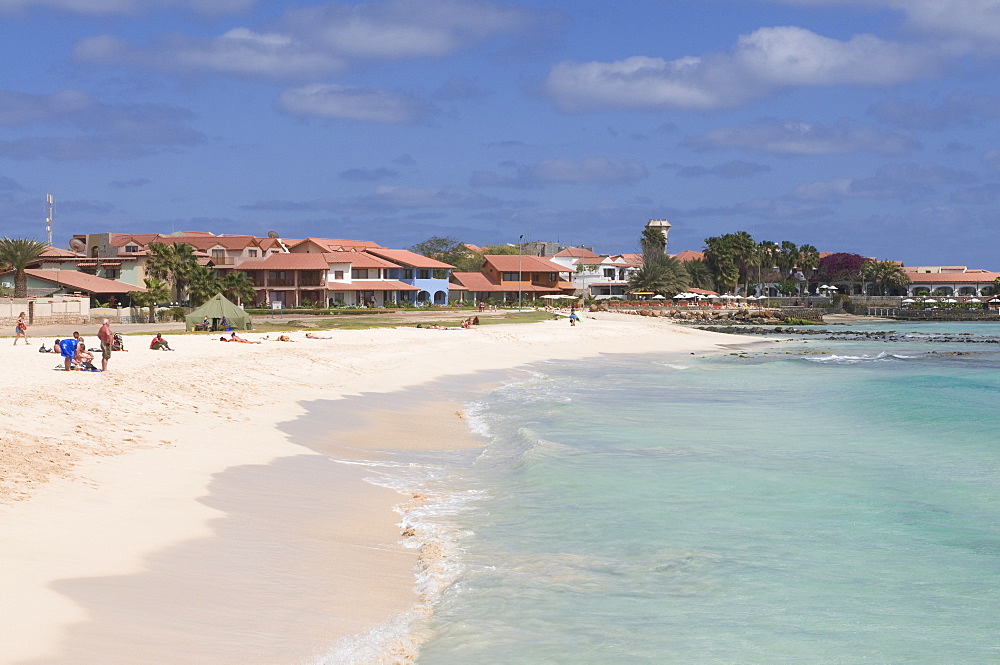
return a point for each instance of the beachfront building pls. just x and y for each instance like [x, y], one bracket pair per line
[601, 277]
[429, 276]
[363, 279]
[288, 280]
[510, 278]
[122, 256]
[50, 282]
[948, 280]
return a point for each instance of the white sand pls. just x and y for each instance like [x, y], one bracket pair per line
[100, 472]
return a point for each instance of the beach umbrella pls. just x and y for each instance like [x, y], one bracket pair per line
[909, 300]
[552, 297]
[930, 300]
[659, 297]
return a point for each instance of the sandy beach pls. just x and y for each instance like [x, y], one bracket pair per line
[190, 507]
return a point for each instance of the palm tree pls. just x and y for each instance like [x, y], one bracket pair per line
[662, 275]
[18, 254]
[720, 255]
[744, 254]
[156, 292]
[203, 283]
[652, 241]
[238, 287]
[699, 276]
[173, 263]
[808, 261]
[885, 275]
[787, 257]
[767, 256]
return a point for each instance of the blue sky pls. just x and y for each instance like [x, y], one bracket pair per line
[868, 126]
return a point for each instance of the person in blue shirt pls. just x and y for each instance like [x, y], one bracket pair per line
[67, 348]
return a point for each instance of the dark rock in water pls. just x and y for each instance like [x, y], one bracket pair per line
[855, 336]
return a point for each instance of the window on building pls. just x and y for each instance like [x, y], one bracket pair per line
[218, 253]
[338, 274]
[423, 274]
[440, 273]
[112, 273]
[131, 248]
[553, 276]
[252, 253]
[359, 273]
[408, 273]
[510, 277]
[609, 273]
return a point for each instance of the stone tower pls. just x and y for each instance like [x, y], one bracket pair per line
[661, 225]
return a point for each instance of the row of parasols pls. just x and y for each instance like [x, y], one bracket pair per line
[907, 301]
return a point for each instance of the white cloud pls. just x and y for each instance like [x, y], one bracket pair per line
[20, 108]
[386, 199]
[793, 137]
[240, 52]
[361, 104]
[127, 6]
[975, 21]
[762, 209]
[564, 171]
[318, 41]
[761, 62]
[107, 130]
[906, 182]
[406, 28]
[956, 109]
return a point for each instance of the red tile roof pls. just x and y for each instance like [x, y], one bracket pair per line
[333, 244]
[476, 281]
[523, 263]
[370, 285]
[358, 259]
[970, 277]
[55, 252]
[481, 282]
[577, 252]
[405, 257]
[688, 255]
[81, 281]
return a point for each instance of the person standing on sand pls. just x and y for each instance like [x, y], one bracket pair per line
[107, 339]
[20, 329]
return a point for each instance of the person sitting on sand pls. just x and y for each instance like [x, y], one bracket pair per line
[309, 335]
[83, 356]
[159, 344]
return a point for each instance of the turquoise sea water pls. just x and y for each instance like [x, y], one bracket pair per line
[811, 502]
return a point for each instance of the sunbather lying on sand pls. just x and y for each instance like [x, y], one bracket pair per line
[312, 336]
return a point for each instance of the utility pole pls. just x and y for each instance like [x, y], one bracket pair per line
[520, 246]
[48, 218]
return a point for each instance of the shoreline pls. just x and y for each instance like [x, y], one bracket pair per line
[146, 440]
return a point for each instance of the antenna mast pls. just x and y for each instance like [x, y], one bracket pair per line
[48, 219]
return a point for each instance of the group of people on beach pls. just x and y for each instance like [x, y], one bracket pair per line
[74, 350]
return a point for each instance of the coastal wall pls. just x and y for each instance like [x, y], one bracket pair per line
[70, 310]
[804, 313]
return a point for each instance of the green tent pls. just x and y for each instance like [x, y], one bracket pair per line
[215, 310]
